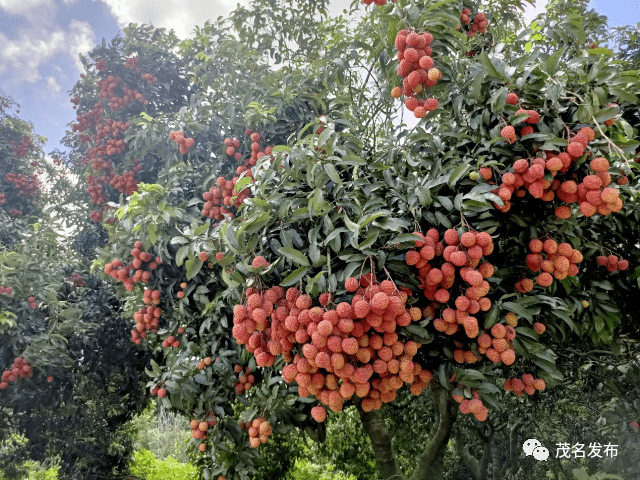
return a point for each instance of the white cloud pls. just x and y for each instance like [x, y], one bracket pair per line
[31, 48]
[52, 84]
[170, 14]
[26, 8]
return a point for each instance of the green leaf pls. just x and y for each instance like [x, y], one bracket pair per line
[371, 218]
[193, 267]
[294, 276]
[333, 173]
[518, 310]
[553, 61]
[458, 173]
[607, 114]
[489, 67]
[182, 254]
[296, 255]
[406, 237]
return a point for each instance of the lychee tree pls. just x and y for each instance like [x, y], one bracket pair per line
[343, 260]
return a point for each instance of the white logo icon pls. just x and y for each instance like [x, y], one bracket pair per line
[541, 454]
[530, 445]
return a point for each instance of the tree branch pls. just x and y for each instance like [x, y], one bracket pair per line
[382, 444]
[430, 462]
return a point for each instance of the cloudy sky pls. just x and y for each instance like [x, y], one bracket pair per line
[40, 41]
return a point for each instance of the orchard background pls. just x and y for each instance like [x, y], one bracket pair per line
[245, 241]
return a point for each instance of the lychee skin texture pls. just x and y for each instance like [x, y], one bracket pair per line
[512, 99]
[509, 133]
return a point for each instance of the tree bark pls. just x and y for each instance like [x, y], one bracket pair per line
[382, 443]
[431, 461]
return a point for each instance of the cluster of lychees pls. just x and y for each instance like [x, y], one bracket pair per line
[497, 345]
[126, 183]
[133, 63]
[259, 432]
[219, 198]
[246, 379]
[160, 391]
[612, 262]
[27, 187]
[14, 212]
[121, 272]
[417, 71]
[527, 383]
[473, 406]
[334, 357]
[78, 280]
[204, 363]
[32, 302]
[107, 91]
[479, 25]
[180, 293]
[171, 341]
[148, 318]
[199, 428]
[593, 194]
[101, 65]
[3, 198]
[18, 369]
[560, 261]
[180, 139]
[23, 147]
[462, 251]
[6, 290]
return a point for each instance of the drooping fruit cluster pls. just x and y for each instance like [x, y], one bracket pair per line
[3, 198]
[18, 369]
[462, 252]
[133, 63]
[479, 25]
[592, 194]
[14, 212]
[126, 183]
[256, 149]
[560, 260]
[24, 146]
[328, 351]
[526, 383]
[246, 379]
[6, 290]
[417, 71]
[180, 139]
[220, 198]
[147, 319]
[27, 187]
[612, 263]
[107, 91]
[180, 293]
[121, 272]
[170, 342]
[259, 432]
[497, 345]
[473, 406]
[32, 303]
[204, 363]
[78, 280]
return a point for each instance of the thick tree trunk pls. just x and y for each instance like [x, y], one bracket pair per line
[382, 443]
[431, 462]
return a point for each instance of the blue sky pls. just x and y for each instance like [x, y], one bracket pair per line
[40, 41]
